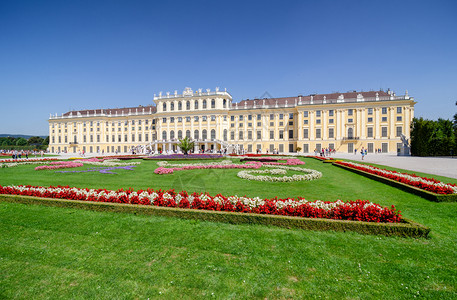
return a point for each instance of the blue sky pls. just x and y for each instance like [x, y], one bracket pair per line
[62, 55]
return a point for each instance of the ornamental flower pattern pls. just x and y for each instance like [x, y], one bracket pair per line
[310, 174]
[359, 210]
[424, 183]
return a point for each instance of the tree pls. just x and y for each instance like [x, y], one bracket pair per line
[186, 144]
[35, 140]
[298, 149]
[21, 142]
[45, 141]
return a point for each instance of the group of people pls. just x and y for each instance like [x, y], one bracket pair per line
[21, 154]
[324, 152]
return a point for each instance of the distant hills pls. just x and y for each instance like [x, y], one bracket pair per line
[20, 136]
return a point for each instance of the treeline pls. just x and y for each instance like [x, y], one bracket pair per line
[33, 143]
[433, 138]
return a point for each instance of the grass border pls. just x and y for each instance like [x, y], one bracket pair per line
[406, 229]
[405, 187]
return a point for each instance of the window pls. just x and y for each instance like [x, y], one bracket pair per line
[272, 135]
[224, 103]
[241, 125]
[330, 121]
[125, 138]
[305, 122]
[305, 133]
[384, 119]
[188, 105]
[133, 137]
[259, 134]
[179, 105]
[172, 106]
[241, 118]
[272, 116]
[249, 117]
[187, 119]
[350, 120]
[370, 132]
[318, 121]
[291, 134]
[232, 118]
[164, 107]
[291, 115]
[350, 112]
[330, 113]
[172, 120]
[204, 118]
[281, 116]
[232, 135]
[204, 104]
[305, 114]
[281, 123]
[305, 148]
[196, 118]
[318, 113]
[232, 124]
[399, 110]
[318, 133]
[213, 118]
[291, 123]
[164, 120]
[146, 137]
[196, 104]
[113, 138]
[249, 135]
[179, 134]
[204, 134]
[249, 124]
[259, 124]
[164, 135]
[172, 134]
[259, 117]
[370, 111]
[179, 119]
[331, 133]
[370, 120]
[384, 131]
[196, 135]
[188, 134]
[399, 118]
[281, 134]
[384, 110]
[399, 131]
[240, 135]
[213, 103]
[272, 124]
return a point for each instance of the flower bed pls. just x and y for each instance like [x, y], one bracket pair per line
[27, 160]
[428, 184]
[352, 210]
[428, 188]
[227, 164]
[106, 162]
[102, 170]
[323, 158]
[310, 174]
[189, 156]
[60, 165]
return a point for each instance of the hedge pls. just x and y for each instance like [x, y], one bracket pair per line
[405, 187]
[406, 229]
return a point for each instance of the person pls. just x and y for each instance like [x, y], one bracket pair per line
[355, 151]
[363, 153]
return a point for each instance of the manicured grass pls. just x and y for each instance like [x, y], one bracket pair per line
[50, 252]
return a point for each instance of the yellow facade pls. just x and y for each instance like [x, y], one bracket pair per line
[341, 121]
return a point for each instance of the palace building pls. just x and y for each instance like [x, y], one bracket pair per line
[375, 120]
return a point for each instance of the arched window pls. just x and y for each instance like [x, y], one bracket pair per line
[225, 134]
[172, 134]
[164, 135]
[179, 105]
[196, 135]
[172, 106]
[213, 134]
[224, 103]
[179, 134]
[188, 105]
[164, 106]
[204, 104]
[350, 133]
[188, 133]
[204, 134]
[213, 103]
[196, 104]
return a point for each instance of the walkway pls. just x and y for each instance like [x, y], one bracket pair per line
[444, 166]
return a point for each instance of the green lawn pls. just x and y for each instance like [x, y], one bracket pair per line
[50, 252]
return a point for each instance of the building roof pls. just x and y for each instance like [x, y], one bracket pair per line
[112, 111]
[315, 99]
